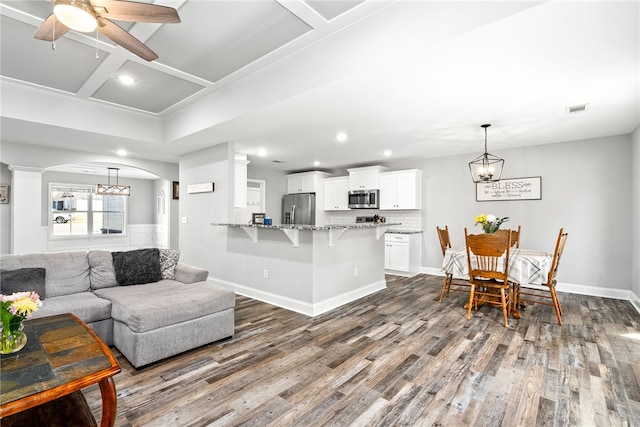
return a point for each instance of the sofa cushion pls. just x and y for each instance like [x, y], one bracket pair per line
[137, 267]
[168, 260]
[67, 272]
[147, 307]
[87, 306]
[102, 274]
[23, 280]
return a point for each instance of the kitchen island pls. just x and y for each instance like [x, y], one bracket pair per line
[304, 268]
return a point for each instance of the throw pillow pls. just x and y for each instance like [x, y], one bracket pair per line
[23, 280]
[168, 260]
[137, 267]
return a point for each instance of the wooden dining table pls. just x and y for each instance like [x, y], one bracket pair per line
[526, 266]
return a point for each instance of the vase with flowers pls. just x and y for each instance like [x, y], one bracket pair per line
[14, 309]
[490, 223]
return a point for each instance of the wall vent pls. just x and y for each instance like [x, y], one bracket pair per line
[575, 109]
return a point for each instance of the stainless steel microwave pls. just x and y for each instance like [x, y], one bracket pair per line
[364, 199]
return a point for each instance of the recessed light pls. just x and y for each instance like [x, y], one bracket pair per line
[387, 153]
[342, 136]
[126, 79]
[121, 152]
[262, 152]
[316, 163]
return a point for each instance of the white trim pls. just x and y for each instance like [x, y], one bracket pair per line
[594, 291]
[635, 301]
[432, 271]
[308, 309]
[340, 300]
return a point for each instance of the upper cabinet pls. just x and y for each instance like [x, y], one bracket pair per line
[401, 189]
[305, 182]
[336, 197]
[367, 178]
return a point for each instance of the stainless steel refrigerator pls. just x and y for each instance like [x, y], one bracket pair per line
[299, 209]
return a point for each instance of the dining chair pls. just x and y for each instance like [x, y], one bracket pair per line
[488, 258]
[459, 285]
[515, 238]
[544, 294]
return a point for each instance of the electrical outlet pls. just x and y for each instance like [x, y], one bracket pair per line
[355, 271]
[265, 273]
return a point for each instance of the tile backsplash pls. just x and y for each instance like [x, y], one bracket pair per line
[410, 220]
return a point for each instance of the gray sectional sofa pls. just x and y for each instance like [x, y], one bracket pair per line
[146, 322]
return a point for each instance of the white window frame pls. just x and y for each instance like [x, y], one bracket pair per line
[90, 189]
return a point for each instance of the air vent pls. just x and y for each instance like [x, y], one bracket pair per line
[575, 109]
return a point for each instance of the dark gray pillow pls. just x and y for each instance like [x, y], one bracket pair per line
[137, 267]
[23, 280]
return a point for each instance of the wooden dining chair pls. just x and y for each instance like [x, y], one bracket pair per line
[515, 238]
[459, 285]
[544, 294]
[488, 258]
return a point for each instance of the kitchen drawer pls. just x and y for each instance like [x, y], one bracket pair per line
[391, 237]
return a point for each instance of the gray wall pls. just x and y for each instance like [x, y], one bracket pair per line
[141, 206]
[594, 208]
[201, 243]
[5, 213]
[635, 216]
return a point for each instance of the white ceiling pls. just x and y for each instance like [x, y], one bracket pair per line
[414, 77]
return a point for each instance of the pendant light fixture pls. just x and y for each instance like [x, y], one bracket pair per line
[486, 167]
[113, 189]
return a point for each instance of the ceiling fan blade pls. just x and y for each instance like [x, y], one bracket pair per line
[124, 39]
[51, 29]
[135, 12]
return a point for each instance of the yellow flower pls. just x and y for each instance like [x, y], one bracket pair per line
[25, 306]
[481, 219]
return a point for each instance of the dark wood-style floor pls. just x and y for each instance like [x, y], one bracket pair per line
[398, 357]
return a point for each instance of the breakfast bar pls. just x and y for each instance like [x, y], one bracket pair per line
[305, 268]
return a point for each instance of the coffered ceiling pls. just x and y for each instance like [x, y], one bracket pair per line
[281, 78]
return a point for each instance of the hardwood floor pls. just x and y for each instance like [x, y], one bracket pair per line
[398, 357]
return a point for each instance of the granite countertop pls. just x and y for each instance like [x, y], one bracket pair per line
[396, 231]
[311, 227]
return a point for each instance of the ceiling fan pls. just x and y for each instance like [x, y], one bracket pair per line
[88, 15]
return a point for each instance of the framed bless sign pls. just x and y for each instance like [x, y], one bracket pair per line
[510, 189]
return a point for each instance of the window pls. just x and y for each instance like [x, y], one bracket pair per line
[77, 211]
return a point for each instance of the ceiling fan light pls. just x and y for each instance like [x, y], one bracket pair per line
[76, 15]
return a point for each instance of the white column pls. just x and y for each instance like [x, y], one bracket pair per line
[26, 210]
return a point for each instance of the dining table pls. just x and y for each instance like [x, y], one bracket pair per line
[526, 266]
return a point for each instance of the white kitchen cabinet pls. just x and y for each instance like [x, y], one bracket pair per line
[336, 194]
[401, 190]
[402, 253]
[367, 178]
[396, 252]
[305, 182]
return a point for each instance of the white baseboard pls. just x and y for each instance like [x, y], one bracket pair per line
[594, 291]
[635, 301]
[308, 309]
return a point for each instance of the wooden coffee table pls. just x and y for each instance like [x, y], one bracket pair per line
[43, 380]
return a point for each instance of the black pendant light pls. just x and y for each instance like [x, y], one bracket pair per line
[486, 167]
[113, 189]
